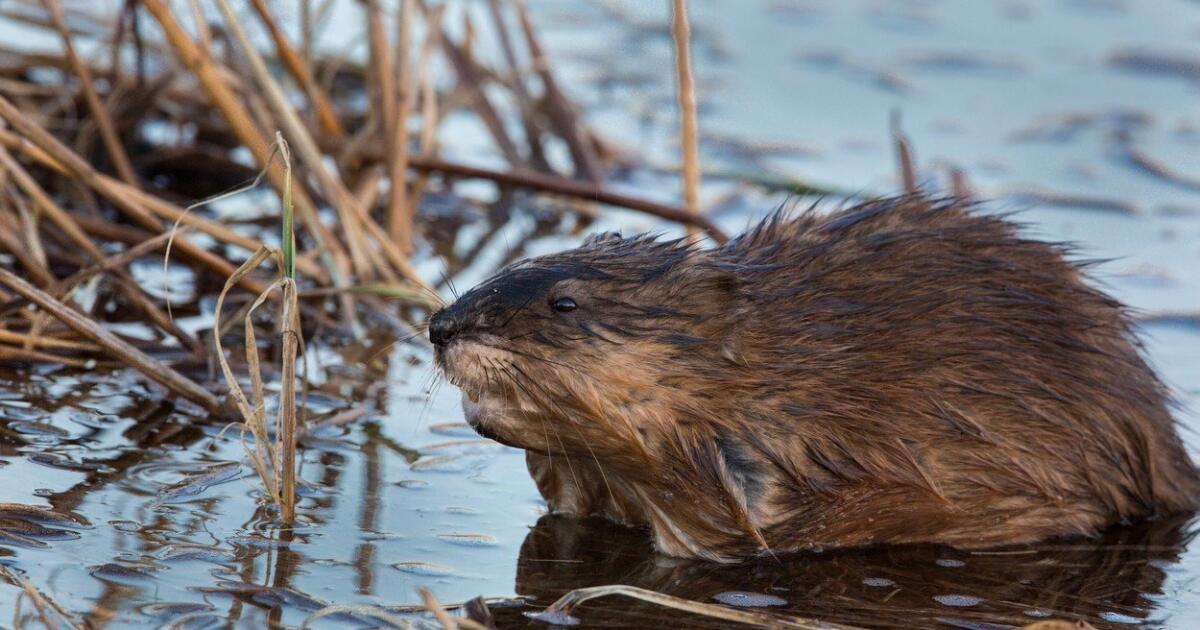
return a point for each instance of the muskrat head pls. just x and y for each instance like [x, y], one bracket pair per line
[553, 353]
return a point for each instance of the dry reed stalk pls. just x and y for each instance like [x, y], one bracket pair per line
[382, 79]
[471, 80]
[212, 80]
[300, 71]
[401, 212]
[431, 604]
[558, 106]
[131, 356]
[275, 465]
[689, 135]
[568, 602]
[429, 108]
[366, 190]
[41, 341]
[29, 229]
[115, 261]
[100, 117]
[559, 185]
[33, 356]
[533, 132]
[57, 215]
[36, 270]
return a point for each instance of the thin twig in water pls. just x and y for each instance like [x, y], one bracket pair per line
[155, 370]
[565, 604]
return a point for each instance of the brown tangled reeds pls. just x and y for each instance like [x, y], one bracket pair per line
[103, 155]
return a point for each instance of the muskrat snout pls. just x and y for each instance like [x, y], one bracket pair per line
[442, 328]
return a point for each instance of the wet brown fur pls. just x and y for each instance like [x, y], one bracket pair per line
[907, 370]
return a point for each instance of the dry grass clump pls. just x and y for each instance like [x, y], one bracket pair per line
[101, 155]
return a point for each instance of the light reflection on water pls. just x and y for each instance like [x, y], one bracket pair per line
[406, 496]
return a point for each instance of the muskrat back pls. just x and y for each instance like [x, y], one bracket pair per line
[907, 370]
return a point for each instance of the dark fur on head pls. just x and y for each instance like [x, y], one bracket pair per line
[902, 371]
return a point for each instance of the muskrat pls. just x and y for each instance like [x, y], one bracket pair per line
[906, 370]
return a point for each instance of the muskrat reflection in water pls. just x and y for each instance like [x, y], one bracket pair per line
[907, 370]
[1111, 582]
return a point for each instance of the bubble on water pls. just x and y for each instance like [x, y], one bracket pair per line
[1036, 613]
[428, 569]
[468, 539]
[553, 618]
[128, 527]
[958, 601]
[746, 599]
[878, 582]
[950, 563]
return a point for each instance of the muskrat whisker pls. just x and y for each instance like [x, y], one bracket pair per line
[586, 442]
[438, 380]
[557, 437]
[448, 280]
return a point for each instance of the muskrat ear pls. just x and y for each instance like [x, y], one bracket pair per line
[601, 237]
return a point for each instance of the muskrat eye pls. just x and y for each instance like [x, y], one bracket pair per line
[564, 305]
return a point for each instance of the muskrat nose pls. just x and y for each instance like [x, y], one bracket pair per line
[441, 329]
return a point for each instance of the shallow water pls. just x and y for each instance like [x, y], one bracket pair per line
[1023, 96]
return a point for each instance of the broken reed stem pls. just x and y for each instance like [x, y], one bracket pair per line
[904, 157]
[100, 117]
[568, 602]
[572, 188]
[686, 95]
[131, 356]
[431, 604]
